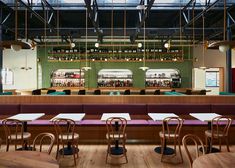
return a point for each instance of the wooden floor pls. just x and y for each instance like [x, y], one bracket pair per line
[139, 156]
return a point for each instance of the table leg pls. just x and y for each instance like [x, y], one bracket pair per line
[25, 147]
[116, 150]
[166, 150]
[69, 150]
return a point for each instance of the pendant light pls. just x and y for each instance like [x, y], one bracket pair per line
[224, 45]
[86, 67]
[144, 67]
[203, 67]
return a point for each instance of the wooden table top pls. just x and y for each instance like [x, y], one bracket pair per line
[215, 160]
[27, 159]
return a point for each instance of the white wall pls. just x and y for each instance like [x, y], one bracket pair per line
[14, 60]
[212, 59]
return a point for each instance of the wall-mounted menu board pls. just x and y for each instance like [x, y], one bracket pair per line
[163, 78]
[67, 78]
[115, 78]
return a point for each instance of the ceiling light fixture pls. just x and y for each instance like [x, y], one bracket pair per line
[86, 67]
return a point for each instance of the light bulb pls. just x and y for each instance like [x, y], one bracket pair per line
[72, 45]
[139, 45]
[223, 48]
[16, 47]
[167, 45]
[97, 45]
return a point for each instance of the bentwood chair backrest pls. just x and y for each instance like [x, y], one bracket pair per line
[44, 137]
[116, 127]
[171, 127]
[220, 125]
[64, 129]
[13, 127]
[190, 138]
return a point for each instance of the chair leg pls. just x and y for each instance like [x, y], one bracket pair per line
[219, 144]
[57, 150]
[162, 148]
[74, 155]
[124, 151]
[7, 143]
[108, 151]
[227, 144]
[174, 147]
[211, 139]
[180, 151]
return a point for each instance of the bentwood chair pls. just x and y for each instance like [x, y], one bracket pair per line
[116, 136]
[190, 138]
[171, 129]
[14, 132]
[65, 135]
[219, 130]
[44, 137]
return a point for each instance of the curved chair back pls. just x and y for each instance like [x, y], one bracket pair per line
[13, 127]
[171, 127]
[82, 92]
[220, 125]
[197, 144]
[64, 129]
[116, 127]
[44, 137]
[67, 92]
[127, 92]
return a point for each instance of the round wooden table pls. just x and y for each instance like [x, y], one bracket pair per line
[215, 160]
[27, 159]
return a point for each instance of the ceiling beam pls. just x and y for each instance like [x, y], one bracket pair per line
[39, 17]
[143, 14]
[92, 9]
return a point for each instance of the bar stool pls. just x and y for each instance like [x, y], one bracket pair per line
[142, 92]
[97, 92]
[82, 92]
[67, 91]
[127, 92]
[157, 92]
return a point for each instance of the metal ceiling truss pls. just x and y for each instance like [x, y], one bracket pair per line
[4, 20]
[92, 9]
[188, 19]
[143, 14]
[45, 6]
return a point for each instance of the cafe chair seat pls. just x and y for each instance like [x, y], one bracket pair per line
[25, 136]
[115, 136]
[171, 134]
[208, 133]
[68, 136]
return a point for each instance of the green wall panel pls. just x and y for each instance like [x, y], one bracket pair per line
[185, 69]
